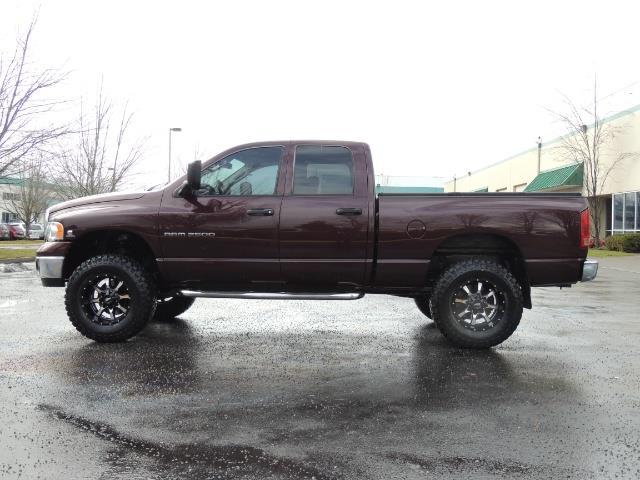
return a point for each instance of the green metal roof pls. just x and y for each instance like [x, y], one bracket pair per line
[10, 181]
[481, 190]
[18, 181]
[393, 189]
[567, 176]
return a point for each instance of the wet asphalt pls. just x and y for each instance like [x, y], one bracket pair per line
[327, 390]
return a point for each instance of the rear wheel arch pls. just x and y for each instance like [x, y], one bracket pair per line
[499, 248]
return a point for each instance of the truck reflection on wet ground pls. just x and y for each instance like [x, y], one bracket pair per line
[179, 386]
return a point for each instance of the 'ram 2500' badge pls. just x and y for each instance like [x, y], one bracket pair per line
[189, 234]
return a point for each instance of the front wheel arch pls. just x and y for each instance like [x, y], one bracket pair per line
[106, 241]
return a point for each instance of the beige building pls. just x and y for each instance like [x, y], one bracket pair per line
[10, 192]
[521, 172]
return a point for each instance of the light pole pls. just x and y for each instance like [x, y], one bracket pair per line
[113, 176]
[174, 129]
[539, 152]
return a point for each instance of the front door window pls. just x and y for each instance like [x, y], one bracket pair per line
[249, 172]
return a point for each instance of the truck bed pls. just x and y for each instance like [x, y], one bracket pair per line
[542, 228]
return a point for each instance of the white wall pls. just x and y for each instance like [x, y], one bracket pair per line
[522, 168]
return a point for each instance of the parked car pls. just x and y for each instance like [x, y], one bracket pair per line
[302, 220]
[4, 231]
[36, 231]
[16, 231]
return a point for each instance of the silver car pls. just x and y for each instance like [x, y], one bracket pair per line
[36, 232]
[4, 232]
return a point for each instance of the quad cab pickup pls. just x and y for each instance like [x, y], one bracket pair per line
[302, 220]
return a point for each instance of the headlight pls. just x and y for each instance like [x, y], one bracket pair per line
[54, 232]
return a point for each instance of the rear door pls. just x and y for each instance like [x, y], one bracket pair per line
[227, 235]
[324, 218]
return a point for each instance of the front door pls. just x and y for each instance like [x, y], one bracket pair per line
[227, 234]
[324, 221]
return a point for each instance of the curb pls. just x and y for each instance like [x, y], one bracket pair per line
[18, 260]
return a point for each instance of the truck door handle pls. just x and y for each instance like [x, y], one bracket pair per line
[349, 211]
[260, 212]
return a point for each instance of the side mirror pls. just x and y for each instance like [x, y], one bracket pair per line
[194, 173]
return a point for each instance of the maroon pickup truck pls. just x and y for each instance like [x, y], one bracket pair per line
[302, 220]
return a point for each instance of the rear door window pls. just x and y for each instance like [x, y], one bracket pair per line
[323, 170]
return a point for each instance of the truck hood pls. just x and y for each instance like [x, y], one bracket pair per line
[105, 197]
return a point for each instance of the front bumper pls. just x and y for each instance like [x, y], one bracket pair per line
[589, 270]
[50, 271]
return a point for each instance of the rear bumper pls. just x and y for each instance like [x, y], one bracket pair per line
[589, 270]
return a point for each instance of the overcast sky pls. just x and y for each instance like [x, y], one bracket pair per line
[436, 88]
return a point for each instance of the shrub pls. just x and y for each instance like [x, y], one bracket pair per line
[632, 243]
[628, 242]
[614, 242]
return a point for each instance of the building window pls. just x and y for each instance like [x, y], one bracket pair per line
[626, 212]
[629, 211]
[638, 211]
[501, 189]
[9, 217]
[520, 187]
[10, 196]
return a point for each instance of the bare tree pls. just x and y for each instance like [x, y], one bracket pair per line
[586, 137]
[99, 158]
[23, 106]
[33, 193]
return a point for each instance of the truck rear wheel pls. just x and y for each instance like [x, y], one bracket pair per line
[477, 303]
[168, 308]
[110, 298]
[424, 305]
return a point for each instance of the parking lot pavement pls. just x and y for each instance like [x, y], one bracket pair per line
[355, 390]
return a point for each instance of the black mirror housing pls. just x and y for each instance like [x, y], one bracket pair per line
[194, 174]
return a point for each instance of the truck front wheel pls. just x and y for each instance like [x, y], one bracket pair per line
[110, 298]
[477, 303]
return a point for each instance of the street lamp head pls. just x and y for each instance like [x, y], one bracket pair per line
[176, 129]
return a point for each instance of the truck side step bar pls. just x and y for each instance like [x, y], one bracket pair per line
[273, 295]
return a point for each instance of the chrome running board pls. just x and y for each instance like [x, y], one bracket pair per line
[273, 295]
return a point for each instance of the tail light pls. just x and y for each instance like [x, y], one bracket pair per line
[585, 229]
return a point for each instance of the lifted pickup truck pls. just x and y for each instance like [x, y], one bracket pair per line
[301, 220]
